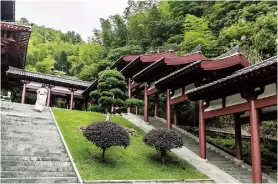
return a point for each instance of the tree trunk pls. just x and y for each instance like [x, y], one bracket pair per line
[102, 155]
[163, 153]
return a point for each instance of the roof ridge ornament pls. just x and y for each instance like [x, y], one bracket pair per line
[235, 50]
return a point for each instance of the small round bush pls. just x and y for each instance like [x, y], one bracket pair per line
[106, 134]
[163, 140]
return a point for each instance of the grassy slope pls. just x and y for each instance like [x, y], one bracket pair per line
[137, 161]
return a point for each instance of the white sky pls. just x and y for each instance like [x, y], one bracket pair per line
[80, 16]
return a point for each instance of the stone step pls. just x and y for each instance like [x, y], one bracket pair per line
[33, 146]
[33, 142]
[29, 128]
[19, 150]
[250, 181]
[30, 158]
[240, 176]
[10, 165]
[231, 168]
[34, 154]
[239, 172]
[30, 139]
[222, 162]
[28, 174]
[40, 180]
[30, 136]
[218, 159]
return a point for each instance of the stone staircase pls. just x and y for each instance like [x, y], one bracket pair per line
[214, 156]
[32, 150]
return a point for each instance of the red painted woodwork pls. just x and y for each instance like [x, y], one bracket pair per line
[175, 120]
[151, 91]
[23, 93]
[178, 100]
[238, 137]
[130, 58]
[264, 102]
[156, 105]
[146, 115]
[129, 93]
[168, 110]
[224, 62]
[136, 110]
[185, 59]
[48, 96]
[71, 99]
[134, 85]
[255, 143]
[202, 131]
[154, 57]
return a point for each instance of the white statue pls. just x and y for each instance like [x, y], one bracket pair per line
[41, 98]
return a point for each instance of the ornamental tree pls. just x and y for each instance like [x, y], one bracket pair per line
[132, 102]
[106, 134]
[110, 94]
[163, 140]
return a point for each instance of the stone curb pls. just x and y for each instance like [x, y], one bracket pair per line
[151, 181]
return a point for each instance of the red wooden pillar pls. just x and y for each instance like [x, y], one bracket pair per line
[23, 92]
[136, 110]
[156, 105]
[146, 115]
[168, 109]
[255, 143]
[238, 137]
[48, 96]
[175, 116]
[71, 99]
[202, 131]
[129, 93]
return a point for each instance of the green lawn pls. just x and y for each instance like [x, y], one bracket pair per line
[137, 161]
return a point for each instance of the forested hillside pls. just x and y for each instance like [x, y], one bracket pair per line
[159, 26]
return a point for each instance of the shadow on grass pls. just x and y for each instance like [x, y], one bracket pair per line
[169, 160]
[93, 155]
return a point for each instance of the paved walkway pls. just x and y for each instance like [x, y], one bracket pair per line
[192, 158]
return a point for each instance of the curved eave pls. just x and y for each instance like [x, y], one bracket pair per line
[216, 64]
[126, 70]
[139, 77]
[250, 77]
[55, 81]
[165, 82]
[189, 58]
[92, 87]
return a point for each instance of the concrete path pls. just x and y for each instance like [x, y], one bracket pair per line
[192, 158]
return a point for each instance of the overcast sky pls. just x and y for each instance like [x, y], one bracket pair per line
[81, 16]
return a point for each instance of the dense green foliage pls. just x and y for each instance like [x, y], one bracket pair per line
[111, 90]
[179, 25]
[136, 162]
[132, 102]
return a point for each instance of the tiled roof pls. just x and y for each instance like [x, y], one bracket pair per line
[15, 27]
[178, 71]
[247, 70]
[46, 78]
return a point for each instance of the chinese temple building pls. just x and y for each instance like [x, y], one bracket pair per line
[14, 44]
[226, 85]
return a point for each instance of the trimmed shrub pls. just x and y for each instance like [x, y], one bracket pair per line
[163, 140]
[106, 134]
